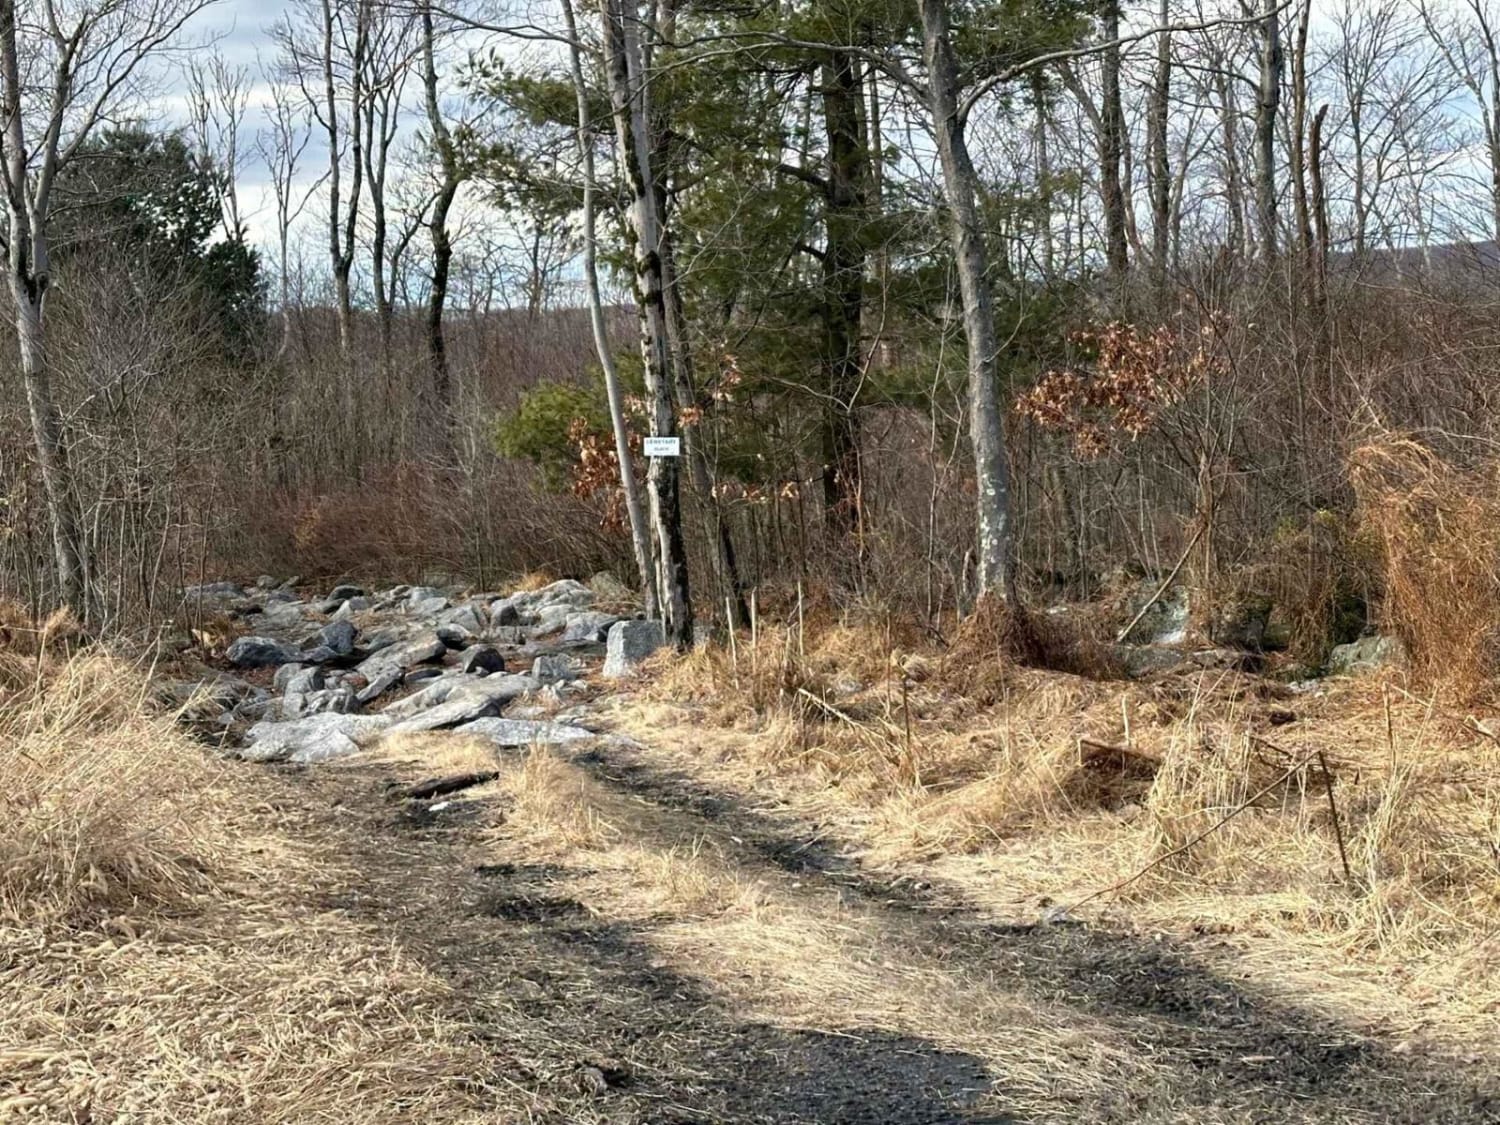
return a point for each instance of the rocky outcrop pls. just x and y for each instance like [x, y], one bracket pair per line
[631, 642]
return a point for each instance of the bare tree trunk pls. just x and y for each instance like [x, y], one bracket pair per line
[1267, 102]
[640, 538]
[1299, 140]
[441, 413]
[630, 105]
[996, 551]
[843, 262]
[1111, 153]
[28, 277]
[1161, 173]
[1044, 176]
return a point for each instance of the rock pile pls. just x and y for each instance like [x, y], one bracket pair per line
[356, 665]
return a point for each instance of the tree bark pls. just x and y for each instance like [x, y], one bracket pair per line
[630, 105]
[996, 554]
[640, 539]
[28, 278]
[1267, 103]
[1111, 154]
[441, 417]
[1161, 174]
[843, 262]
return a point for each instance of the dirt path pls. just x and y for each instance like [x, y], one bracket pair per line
[611, 987]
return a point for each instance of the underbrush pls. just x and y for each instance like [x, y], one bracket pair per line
[1361, 816]
[101, 808]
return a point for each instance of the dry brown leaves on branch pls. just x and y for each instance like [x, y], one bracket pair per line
[1135, 375]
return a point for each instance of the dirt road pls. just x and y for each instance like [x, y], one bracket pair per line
[615, 979]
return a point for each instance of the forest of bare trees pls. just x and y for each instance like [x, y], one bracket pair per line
[941, 299]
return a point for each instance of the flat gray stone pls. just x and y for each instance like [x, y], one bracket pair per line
[259, 652]
[525, 732]
[554, 667]
[443, 705]
[427, 607]
[315, 738]
[588, 625]
[631, 642]
[379, 684]
[405, 654]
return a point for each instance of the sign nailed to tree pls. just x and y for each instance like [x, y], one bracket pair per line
[662, 447]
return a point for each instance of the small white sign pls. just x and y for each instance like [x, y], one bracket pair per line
[662, 447]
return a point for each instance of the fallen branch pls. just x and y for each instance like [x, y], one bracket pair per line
[1162, 589]
[442, 786]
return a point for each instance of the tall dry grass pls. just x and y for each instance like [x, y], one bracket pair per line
[101, 806]
[1439, 529]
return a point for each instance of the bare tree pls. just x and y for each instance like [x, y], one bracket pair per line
[452, 172]
[629, 101]
[281, 145]
[1267, 104]
[61, 78]
[218, 97]
[640, 538]
[996, 557]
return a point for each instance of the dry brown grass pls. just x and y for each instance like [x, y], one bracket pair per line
[1197, 803]
[1439, 529]
[164, 951]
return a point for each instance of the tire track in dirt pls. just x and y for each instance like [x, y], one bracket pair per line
[1222, 1053]
[585, 1021]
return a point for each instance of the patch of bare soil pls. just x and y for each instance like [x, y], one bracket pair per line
[633, 946]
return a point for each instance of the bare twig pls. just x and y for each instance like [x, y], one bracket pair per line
[1162, 589]
[1207, 832]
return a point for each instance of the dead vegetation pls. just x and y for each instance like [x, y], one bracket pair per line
[1361, 819]
[165, 953]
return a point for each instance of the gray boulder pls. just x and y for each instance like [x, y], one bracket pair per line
[338, 636]
[336, 700]
[472, 699]
[465, 616]
[266, 582]
[284, 675]
[554, 668]
[304, 680]
[505, 612]
[608, 588]
[314, 738]
[1365, 654]
[481, 660]
[564, 592]
[427, 607]
[455, 636]
[550, 618]
[525, 732]
[403, 655]
[281, 615]
[588, 625]
[318, 654]
[631, 642]
[259, 652]
[349, 608]
[379, 684]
